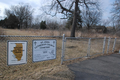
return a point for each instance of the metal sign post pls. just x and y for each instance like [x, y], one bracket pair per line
[114, 45]
[104, 44]
[108, 45]
[62, 55]
[89, 45]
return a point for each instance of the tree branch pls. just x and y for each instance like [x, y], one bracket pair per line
[63, 8]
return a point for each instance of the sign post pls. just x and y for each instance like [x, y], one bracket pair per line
[44, 50]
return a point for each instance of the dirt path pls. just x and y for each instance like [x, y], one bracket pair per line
[99, 68]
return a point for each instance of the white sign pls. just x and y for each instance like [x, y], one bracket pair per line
[44, 50]
[17, 52]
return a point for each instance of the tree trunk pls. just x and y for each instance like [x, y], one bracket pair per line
[74, 19]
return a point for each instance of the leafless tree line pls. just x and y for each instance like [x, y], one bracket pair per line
[87, 11]
[116, 14]
[23, 12]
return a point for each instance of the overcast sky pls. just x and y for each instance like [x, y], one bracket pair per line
[36, 4]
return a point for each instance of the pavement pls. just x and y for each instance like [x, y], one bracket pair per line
[99, 68]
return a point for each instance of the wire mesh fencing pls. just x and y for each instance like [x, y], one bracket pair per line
[78, 47]
[75, 48]
[14, 72]
[111, 44]
[117, 46]
[96, 46]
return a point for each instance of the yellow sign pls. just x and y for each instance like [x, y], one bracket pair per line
[18, 51]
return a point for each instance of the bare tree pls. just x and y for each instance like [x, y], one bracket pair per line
[8, 12]
[71, 6]
[107, 22]
[116, 13]
[52, 25]
[36, 23]
[23, 12]
[91, 18]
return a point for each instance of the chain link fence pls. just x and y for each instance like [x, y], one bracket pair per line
[96, 46]
[74, 48]
[16, 72]
[117, 46]
[112, 40]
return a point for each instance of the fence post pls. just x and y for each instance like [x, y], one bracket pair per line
[104, 44]
[114, 45]
[108, 45]
[62, 55]
[89, 45]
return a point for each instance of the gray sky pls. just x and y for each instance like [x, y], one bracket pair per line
[36, 4]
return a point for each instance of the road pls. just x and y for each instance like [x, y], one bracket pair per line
[99, 68]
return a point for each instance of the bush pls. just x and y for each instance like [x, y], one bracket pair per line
[43, 25]
[1, 31]
[105, 30]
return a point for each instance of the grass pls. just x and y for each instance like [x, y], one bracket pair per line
[76, 48]
[2, 31]
[47, 69]
[34, 32]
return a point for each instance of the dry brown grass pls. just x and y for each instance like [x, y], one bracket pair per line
[76, 48]
[2, 31]
[34, 32]
[47, 69]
